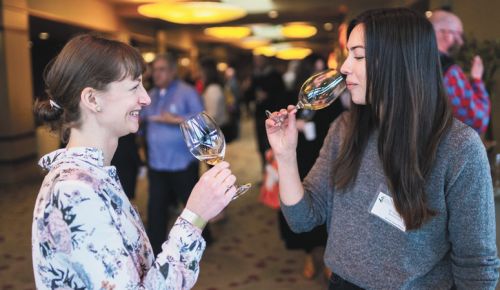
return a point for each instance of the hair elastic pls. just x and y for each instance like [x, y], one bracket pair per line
[54, 104]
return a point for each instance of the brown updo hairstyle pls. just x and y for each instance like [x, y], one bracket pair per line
[85, 61]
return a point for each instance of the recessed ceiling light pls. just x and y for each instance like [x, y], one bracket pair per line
[148, 56]
[273, 14]
[43, 35]
[236, 32]
[292, 53]
[185, 61]
[221, 66]
[192, 12]
[265, 50]
[298, 30]
[253, 42]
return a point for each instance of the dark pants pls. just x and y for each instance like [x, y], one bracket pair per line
[337, 283]
[165, 187]
[127, 163]
[262, 142]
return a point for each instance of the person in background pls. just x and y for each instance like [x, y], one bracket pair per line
[290, 76]
[234, 96]
[172, 169]
[127, 162]
[268, 92]
[468, 96]
[312, 127]
[213, 92]
[85, 233]
[404, 188]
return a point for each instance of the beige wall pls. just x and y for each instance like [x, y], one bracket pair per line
[480, 17]
[93, 14]
[17, 135]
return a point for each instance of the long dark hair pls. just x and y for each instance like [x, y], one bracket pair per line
[406, 104]
[85, 61]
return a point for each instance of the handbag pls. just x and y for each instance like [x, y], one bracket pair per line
[269, 191]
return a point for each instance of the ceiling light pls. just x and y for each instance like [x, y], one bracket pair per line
[221, 66]
[148, 56]
[267, 31]
[185, 61]
[252, 7]
[298, 30]
[264, 50]
[273, 14]
[328, 26]
[192, 12]
[253, 42]
[293, 53]
[43, 35]
[236, 32]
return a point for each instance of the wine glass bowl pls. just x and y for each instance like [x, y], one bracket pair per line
[206, 142]
[204, 139]
[317, 92]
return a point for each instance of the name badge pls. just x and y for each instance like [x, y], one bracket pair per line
[384, 208]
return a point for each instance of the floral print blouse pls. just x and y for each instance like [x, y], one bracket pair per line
[87, 235]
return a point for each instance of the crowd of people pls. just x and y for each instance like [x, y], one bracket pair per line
[393, 182]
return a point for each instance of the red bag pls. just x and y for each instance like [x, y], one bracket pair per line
[269, 191]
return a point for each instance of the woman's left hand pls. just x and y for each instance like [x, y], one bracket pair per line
[283, 135]
[213, 192]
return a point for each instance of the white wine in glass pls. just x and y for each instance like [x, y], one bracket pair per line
[317, 92]
[206, 142]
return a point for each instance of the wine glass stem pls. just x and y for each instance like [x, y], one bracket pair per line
[240, 189]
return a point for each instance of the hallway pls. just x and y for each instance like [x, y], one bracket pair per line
[247, 253]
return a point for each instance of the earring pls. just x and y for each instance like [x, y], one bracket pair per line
[98, 108]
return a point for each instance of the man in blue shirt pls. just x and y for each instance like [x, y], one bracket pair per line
[172, 171]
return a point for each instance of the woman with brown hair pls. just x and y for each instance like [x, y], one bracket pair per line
[86, 234]
[404, 188]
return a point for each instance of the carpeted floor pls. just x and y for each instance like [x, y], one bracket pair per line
[247, 252]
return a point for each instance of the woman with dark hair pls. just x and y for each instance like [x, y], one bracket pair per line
[86, 234]
[404, 188]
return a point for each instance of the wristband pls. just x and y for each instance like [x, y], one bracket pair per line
[193, 219]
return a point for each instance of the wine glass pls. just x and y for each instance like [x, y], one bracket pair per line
[206, 142]
[317, 92]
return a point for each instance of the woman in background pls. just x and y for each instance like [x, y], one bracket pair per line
[213, 92]
[312, 128]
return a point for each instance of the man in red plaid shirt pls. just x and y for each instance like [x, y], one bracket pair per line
[468, 97]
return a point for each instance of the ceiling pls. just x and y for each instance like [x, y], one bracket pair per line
[315, 12]
[289, 10]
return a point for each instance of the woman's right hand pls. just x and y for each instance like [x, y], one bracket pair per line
[283, 137]
[213, 192]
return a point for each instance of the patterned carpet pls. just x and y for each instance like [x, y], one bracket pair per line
[247, 252]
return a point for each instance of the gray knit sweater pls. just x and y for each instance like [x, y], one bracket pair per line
[456, 247]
